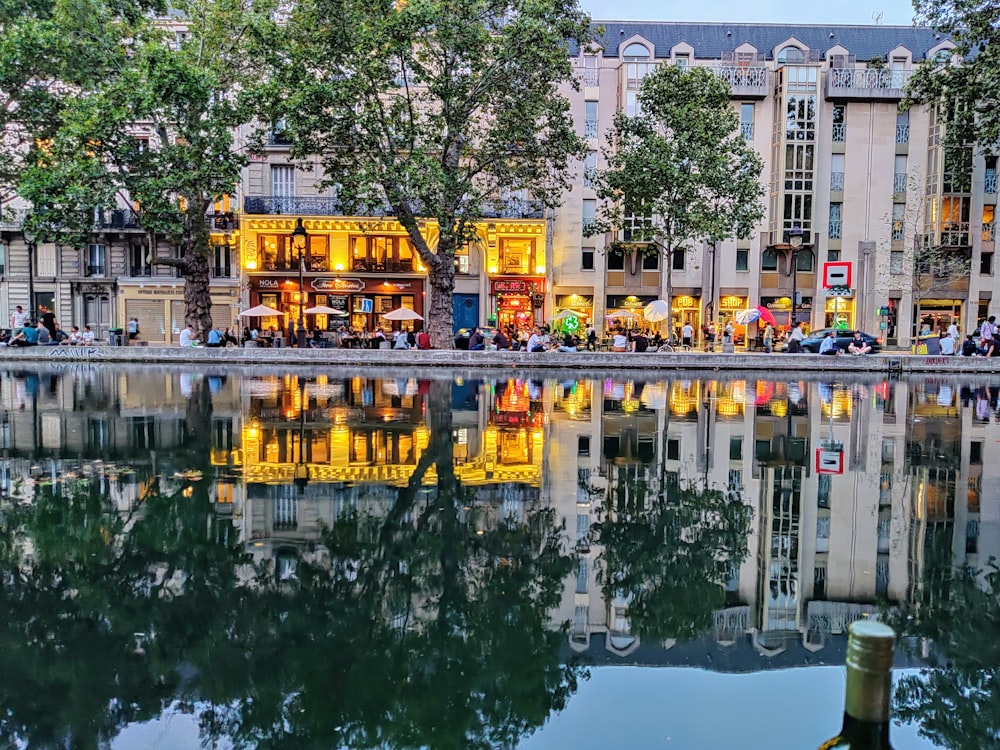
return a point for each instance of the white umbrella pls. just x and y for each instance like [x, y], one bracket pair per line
[403, 313]
[623, 314]
[565, 314]
[746, 317]
[323, 310]
[261, 311]
[656, 311]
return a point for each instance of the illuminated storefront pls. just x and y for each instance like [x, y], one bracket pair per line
[730, 304]
[781, 307]
[687, 309]
[517, 302]
[839, 313]
[515, 262]
[582, 305]
[626, 310]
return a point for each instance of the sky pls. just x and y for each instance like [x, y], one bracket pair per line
[893, 12]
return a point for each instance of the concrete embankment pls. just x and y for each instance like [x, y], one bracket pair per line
[582, 362]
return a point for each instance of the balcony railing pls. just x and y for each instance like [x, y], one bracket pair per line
[746, 130]
[143, 270]
[866, 83]
[990, 185]
[899, 182]
[590, 77]
[114, 218]
[897, 229]
[223, 222]
[989, 231]
[293, 205]
[835, 227]
[590, 129]
[839, 132]
[745, 80]
[93, 270]
[836, 182]
[391, 266]
[902, 134]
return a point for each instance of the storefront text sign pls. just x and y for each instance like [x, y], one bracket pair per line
[338, 285]
[509, 286]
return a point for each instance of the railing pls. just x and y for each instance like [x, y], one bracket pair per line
[590, 77]
[293, 205]
[878, 79]
[223, 221]
[989, 231]
[95, 270]
[839, 132]
[143, 270]
[897, 230]
[391, 266]
[836, 182]
[835, 227]
[902, 134]
[990, 184]
[744, 79]
[116, 218]
[590, 129]
[899, 182]
[512, 209]
[222, 272]
[589, 177]
[746, 130]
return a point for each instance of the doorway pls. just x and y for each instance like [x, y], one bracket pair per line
[97, 314]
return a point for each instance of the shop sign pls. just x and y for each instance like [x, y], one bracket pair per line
[732, 302]
[616, 301]
[685, 301]
[509, 286]
[339, 302]
[338, 285]
[574, 301]
[784, 304]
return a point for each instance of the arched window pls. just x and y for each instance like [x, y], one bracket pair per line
[769, 260]
[805, 261]
[635, 52]
[791, 54]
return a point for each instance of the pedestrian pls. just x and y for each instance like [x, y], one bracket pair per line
[591, 338]
[988, 336]
[48, 320]
[18, 319]
[768, 338]
[795, 339]
[687, 335]
[132, 328]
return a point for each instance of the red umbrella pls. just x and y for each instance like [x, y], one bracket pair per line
[766, 315]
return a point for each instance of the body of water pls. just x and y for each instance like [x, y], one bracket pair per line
[338, 559]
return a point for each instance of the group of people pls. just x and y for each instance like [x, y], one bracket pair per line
[44, 332]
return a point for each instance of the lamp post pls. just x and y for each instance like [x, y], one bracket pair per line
[795, 243]
[299, 241]
[31, 240]
[301, 478]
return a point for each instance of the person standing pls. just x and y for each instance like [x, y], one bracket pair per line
[768, 338]
[795, 339]
[132, 328]
[687, 335]
[18, 320]
[591, 338]
[953, 329]
[48, 320]
[988, 335]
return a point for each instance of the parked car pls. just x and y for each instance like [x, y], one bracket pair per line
[843, 338]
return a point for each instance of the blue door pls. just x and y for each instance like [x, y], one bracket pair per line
[465, 310]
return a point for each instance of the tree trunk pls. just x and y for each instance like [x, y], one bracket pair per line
[439, 315]
[197, 293]
[668, 295]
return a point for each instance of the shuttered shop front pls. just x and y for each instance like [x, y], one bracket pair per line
[151, 316]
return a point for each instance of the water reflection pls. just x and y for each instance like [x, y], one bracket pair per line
[343, 561]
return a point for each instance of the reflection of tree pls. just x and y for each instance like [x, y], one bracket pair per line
[423, 623]
[670, 552]
[955, 701]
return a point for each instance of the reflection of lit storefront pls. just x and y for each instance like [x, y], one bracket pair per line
[621, 308]
[781, 307]
[517, 302]
[360, 302]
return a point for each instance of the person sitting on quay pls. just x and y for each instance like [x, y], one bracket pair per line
[423, 341]
[477, 342]
[536, 342]
[947, 344]
[28, 336]
[858, 345]
[187, 337]
[619, 342]
[399, 340]
[829, 345]
[87, 337]
[640, 343]
[569, 343]
[44, 335]
[214, 338]
[500, 341]
[74, 337]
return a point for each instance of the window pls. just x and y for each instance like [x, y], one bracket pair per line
[682, 60]
[898, 220]
[95, 260]
[673, 449]
[589, 169]
[138, 261]
[735, 448]
[837, 173]
[222, 259]
[679, 259]
[903, 127]
[896, 261]
[616, 260]
[986, 264]
[805, 261]
[587, 259]
[976, 452]
[637, 66]
[589, 213]
[590, 123]
[583, 445]
[835, 214]
[282, 180]
[839, 123]
[651, 262]
[769, 260]
[746, 120]
[899, 174]
[3, 258]
[742, 260]
[832, 256]
[791, 54]
[581, 577]
[371, 253]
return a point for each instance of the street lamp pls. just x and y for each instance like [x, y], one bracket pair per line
[31, 240]
[299, 240]
[795, 243]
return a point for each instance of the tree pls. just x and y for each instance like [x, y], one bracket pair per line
[965, 88]
[160, 130]
[679, 170]
[434, 109]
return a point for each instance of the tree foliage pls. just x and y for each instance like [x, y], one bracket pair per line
[679, 170]
[434, 109]
[964, 87]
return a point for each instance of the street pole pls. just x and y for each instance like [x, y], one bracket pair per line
[299, 241]
[31, 280]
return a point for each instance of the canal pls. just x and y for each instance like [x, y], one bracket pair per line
[375, 559]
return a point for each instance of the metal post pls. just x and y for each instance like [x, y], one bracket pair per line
[795, 283]
[301, 332]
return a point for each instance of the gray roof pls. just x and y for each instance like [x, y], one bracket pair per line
[711, 40]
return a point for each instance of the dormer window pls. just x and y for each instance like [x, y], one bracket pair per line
[791, 54]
